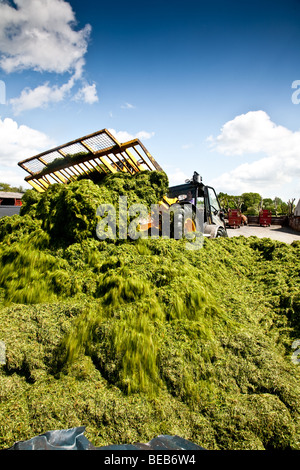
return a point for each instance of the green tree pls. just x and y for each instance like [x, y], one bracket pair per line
[228, 201]
[251, 203]
[11, 189]
[268, 204]
[281, 207]
[284, 208]
[251, 200]
[252, 210]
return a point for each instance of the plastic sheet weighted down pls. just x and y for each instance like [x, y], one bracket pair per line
[74, 439]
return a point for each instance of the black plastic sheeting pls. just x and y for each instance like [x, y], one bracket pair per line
[74, 439]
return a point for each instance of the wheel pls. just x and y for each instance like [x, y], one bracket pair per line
[183, 221]
[221, 233]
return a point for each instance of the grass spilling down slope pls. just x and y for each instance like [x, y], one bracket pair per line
[133, 339]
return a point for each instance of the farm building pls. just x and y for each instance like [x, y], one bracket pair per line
[10, 203]
[10, 199]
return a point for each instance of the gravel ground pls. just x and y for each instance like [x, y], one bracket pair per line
[275, 232]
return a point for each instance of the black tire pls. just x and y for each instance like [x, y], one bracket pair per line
[183, 221]
[221, 233]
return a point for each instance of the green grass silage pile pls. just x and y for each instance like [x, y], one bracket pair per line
[133, 339]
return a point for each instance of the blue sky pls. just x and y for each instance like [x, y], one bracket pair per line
[206, 85]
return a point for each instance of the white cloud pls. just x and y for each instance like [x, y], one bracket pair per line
[124, 136]
[40, 35]
[20, 142]
[88, 94]
[127, 106]
[144, 135]
[14, 177]
[40, 96]
[121, 136]
[254, 133]
[177, 176]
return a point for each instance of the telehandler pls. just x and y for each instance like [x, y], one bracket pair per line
[196, 206]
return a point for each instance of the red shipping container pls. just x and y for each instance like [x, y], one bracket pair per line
[265, 218]
[234, 218]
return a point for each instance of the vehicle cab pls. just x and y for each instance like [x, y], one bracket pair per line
[205, 203]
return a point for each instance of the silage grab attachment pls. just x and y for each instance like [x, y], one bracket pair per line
[98, 153]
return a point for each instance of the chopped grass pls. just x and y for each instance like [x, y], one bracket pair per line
[136, 339]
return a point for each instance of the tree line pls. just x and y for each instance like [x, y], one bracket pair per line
[252, 203]
[11, 189]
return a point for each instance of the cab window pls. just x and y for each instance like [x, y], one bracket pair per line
[213, 201]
